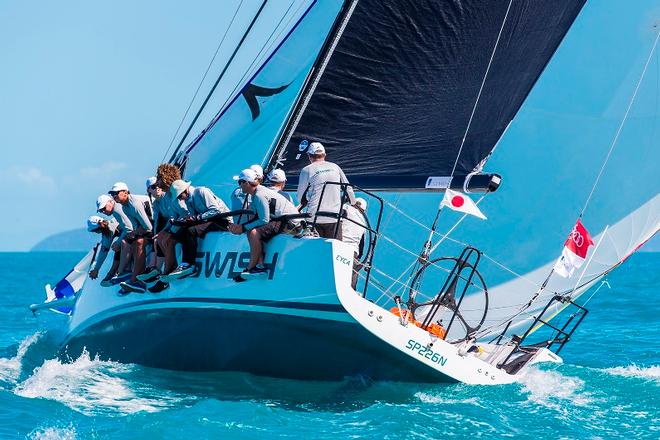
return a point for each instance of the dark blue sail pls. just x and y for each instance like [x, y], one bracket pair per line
[395, 99]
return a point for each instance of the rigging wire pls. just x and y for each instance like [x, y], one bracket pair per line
[265, 48]
[208, 68]
[426, 251]
[481, 88]
[623, 121]
[222, 74]
[537, 295]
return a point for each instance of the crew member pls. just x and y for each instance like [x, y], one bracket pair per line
[107, 206]
[202, 205]
[268, 206]
[241, 201]
[137, 209]
[310, 185]
[353, 229]
[109, 231]
[277, 179]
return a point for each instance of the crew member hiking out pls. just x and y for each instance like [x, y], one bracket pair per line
[107, 206]
[137, 209]
[269, 207]
[202, 206]
[109, 232]
[241, 201]
[165, 208]
[310, 185]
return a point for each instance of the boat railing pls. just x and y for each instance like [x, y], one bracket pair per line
[340, 215]
[560, 334]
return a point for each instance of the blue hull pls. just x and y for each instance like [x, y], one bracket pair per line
[267, 344]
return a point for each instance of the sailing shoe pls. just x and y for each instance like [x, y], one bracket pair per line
[133, 286]
[255, 272]
[184, 270]
[150, 275]
[119, 278]
[123, 292]
[158, 287]
[106, 282]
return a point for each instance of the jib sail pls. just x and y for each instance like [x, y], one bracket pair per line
[263, 83]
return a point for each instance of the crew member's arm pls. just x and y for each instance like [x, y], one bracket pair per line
[142, 216]
[101, 254]
[303, 183]
[262, 212]
[125, 225]
[210, 202]
[349, 189]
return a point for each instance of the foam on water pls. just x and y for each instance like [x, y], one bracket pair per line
[53, 433]
[10, 368]
[651, 373]
[549, 388]
[92, 386]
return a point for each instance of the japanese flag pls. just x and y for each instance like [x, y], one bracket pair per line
[575, 251]
[462, 203]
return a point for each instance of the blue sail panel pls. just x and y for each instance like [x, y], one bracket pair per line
[245, 131]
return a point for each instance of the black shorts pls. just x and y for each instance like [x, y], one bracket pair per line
[327, 230]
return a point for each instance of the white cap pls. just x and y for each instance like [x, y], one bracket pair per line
[361, 203]
[151, 181]
[257, 169]
[178, 187]
[118, 186]
[249, 175]
[102, 201]
[93, 222]
[316, 148]
[277, 176]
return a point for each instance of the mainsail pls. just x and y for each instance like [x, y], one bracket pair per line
[393, 104]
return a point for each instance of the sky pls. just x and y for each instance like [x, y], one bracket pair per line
[91, 93]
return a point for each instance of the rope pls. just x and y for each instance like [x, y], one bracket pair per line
[208, 68]
[481, 88]
[265, 48]
[222, 74]
[623, 121]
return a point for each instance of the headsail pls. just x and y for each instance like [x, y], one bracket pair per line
[396, 97]
[275, 65]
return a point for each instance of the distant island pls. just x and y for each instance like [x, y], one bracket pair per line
[76, 240]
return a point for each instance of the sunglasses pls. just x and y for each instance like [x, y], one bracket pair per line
[153, 187]
[241, 181]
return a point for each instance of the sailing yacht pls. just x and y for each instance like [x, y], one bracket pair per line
[410, 99]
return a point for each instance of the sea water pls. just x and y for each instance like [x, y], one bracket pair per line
[609, 385]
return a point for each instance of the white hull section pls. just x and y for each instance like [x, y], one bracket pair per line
[302, 321]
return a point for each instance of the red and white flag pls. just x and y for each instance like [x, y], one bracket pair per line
[462, 203]
[575, 251]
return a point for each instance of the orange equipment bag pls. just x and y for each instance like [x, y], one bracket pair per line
[434, 329]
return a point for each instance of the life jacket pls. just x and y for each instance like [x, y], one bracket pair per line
[433, 328]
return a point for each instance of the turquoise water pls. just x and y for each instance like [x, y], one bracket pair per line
[608, 387]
